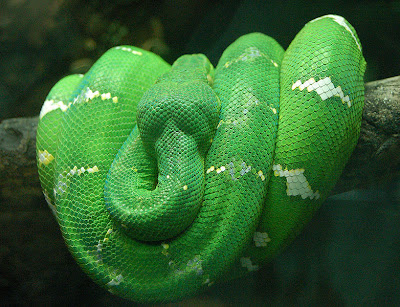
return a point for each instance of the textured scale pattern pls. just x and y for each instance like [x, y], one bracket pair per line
[166, 180]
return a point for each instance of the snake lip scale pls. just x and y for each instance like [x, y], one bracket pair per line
[168, 179]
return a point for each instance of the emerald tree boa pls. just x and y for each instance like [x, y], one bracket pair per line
[166, 180]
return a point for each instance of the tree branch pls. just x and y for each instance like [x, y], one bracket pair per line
[376, 158]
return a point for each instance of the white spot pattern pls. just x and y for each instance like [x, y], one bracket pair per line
[195, 265]
[261, 239]
[52, 207]
[88, 95]
[61, 185]
[51, 105]
[116, 280]
[135, 52]
[221, 169]
[324, 88]
[45, 157]
[246, 263]
[297, 184]
[250, 53]
[233, 170]
[212, 168]
[340, 20]
[261, 175]
[105, 96]
[99, 246]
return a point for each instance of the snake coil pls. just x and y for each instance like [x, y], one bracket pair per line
[165, 180]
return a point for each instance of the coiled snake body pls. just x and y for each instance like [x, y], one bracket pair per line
[167, 180]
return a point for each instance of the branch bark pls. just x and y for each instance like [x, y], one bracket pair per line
[375, 160]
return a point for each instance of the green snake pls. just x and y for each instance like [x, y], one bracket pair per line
[167, 179]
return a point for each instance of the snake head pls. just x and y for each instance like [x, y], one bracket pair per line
[164, 158]
[181, 101]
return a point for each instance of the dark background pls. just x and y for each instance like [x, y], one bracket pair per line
[349, 255]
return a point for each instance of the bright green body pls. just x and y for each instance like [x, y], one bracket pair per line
[165, 180]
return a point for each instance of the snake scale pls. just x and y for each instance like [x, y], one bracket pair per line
[166, 179]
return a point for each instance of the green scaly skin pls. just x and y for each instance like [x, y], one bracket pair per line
[166, 179]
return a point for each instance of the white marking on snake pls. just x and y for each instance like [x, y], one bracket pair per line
[129, 50]
[105, 96]
[221, 169]
[250, 54]
[250, 98]
[212, 168]
[246, 263]
[90, 95]
[165, 247]
[324, 88]
[195, 265]
[245, 169]
[61, 185]
[72, 171]
[232, 170]
[116, 280]
[99, 246]
[99, 250]
[261, 239]
[52, 207]
[93, 169]
[45, 157]
[208, 282]
[51, 105]
[340, 20]
[296, 182]
[261, 175]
